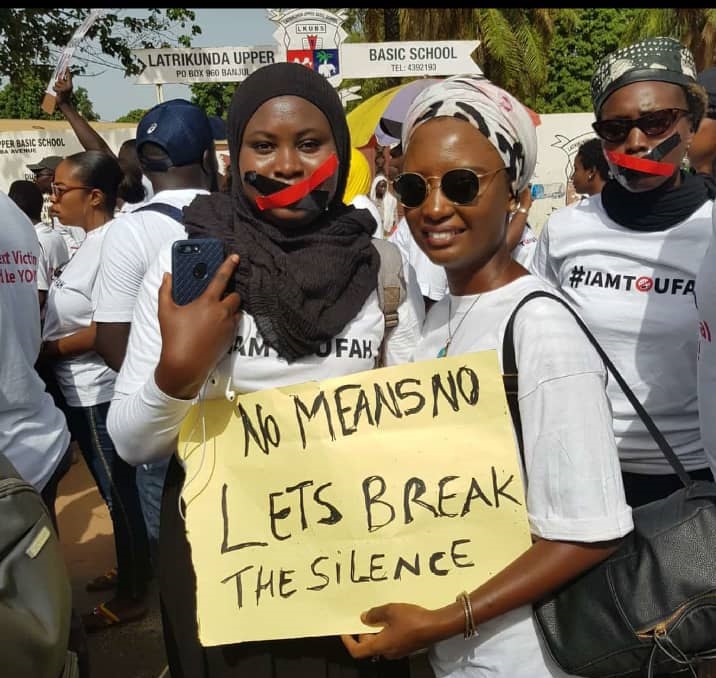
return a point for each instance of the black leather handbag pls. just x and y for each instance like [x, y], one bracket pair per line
[650, 608]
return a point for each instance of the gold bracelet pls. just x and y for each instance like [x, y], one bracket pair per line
[470, 626]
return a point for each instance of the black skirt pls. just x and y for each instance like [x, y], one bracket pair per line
[293, 658]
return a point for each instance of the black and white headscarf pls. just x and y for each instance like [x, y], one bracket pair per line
[661, 59]
[496, 113]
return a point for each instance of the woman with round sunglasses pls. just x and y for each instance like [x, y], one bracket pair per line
[470, 150]
[84, 193]
[627, 258]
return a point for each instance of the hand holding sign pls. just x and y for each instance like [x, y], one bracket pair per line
[318, 501]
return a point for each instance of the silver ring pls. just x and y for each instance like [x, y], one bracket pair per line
[376, 658]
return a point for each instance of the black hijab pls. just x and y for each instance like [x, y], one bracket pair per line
[301, 286]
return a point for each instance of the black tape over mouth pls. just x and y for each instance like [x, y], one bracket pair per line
[315, 200]
[655, 155]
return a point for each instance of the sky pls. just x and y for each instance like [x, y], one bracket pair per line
[112, 95]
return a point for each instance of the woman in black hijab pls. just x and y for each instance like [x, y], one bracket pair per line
[305, 281]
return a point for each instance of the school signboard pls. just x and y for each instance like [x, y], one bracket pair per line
[202, 64]
[404, 59]
[23, 142]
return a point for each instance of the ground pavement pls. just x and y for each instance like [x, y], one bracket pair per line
[134, 650]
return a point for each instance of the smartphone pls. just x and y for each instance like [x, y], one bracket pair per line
[194, 263]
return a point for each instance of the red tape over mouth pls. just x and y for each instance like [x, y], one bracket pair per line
[291, 194]
[662, 169]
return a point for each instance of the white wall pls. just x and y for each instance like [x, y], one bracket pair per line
[558, 137]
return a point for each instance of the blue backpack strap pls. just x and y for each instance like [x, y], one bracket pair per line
[161, 207]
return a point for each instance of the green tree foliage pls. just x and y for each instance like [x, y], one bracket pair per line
[135, 115]
[31, 37]
[696, 28]
[574, 52]
[513, 42]
[22, 101]
[213, 97]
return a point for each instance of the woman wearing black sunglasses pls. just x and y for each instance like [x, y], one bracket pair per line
[628, 258]
[471, 148]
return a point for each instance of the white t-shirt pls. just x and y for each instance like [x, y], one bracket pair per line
[634, 290]
[574, 488]
[73, 235]
[706, 363]
[53, 256]
[363, 202]
[129, 248]
[33, 432]
[84, 379]
[431, 277]
[144, 422]
[524, 250]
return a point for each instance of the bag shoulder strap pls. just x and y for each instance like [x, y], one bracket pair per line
[163, 208]
[392, 289]
[511, 382]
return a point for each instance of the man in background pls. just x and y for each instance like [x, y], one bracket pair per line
[175, 146]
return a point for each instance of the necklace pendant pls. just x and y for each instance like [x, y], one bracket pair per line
[443, 351]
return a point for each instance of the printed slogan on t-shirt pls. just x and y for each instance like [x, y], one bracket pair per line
[308, 504]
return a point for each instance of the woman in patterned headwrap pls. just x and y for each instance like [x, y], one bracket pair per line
[470, 150]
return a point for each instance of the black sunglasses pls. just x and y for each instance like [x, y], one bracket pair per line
[653, 124]
[461, 186]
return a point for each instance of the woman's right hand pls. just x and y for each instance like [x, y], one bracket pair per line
[197, 335]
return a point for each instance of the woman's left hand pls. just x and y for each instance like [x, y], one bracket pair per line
[406, 628]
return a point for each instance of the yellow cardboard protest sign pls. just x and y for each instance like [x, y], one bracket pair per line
[309, 504]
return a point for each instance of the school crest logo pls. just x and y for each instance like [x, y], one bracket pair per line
[311, 37]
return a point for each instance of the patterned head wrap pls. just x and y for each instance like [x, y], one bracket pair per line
[660, 59]
[496, 114]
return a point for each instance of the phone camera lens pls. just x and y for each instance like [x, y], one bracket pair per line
[199, 271]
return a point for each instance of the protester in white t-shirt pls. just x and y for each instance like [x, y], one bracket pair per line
[33, 432]
[479, 144]
[308, 312]
[85, 192]
[627, 257]
[385, 202]
[182, 167]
